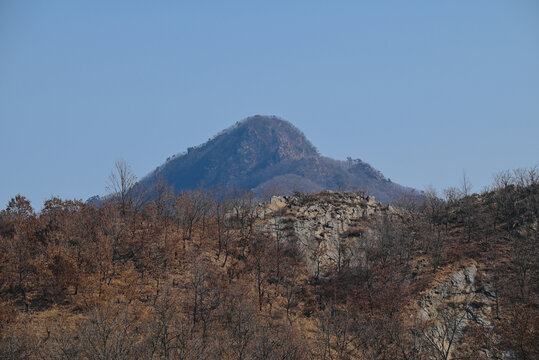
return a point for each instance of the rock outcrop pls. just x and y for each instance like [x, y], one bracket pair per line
[447, 310]
[326, 227]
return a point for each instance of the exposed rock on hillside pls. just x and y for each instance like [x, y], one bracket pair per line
[447, 310]
[326, 227]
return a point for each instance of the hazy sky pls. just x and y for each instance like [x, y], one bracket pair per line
[422, 90]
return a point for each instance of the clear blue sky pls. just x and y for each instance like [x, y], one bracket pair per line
[421, 90]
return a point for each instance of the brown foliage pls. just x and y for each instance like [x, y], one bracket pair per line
[192, 276]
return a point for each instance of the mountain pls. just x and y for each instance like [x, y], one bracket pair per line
[269, 155]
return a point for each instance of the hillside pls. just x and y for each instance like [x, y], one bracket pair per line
[268, 156]
[329, 275]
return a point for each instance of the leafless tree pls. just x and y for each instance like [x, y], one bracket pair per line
[443, 328]
[169, 332]
[121, 184]
[108, 333]
[336, 333]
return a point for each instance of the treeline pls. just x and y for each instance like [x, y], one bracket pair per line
[193, 276]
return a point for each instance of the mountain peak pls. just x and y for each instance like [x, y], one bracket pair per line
[266, 153]
[262, 120]
[273, 136]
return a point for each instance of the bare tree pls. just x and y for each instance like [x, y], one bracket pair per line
[442, 329]
[108, 333]
[336, 333]
[188, 208]
[465, 185]
[121, 184]
[169, 333]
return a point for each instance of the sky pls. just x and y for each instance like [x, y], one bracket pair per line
[422, 90]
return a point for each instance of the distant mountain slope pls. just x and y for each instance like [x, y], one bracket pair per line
[266, 154]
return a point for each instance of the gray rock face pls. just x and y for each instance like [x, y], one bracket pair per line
[460, 287]
[448, 308]
[327, 227]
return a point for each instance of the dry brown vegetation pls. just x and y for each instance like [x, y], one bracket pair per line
[192, 277]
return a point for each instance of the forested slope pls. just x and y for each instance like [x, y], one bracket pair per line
[198, 276]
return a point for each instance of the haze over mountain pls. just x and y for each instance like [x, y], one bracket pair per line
[269, 155]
